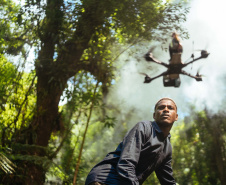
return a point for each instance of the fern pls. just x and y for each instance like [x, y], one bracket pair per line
[6, 165]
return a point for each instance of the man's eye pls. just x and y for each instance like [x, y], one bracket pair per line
[161, 107]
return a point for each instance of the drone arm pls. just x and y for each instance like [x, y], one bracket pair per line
[149, 79]
[185, 73]
[162, 74]
[194, 60]
[197, 78]
[159, 62]
[150, 58]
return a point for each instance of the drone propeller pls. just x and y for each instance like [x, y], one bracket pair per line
[198, 75]
[152, 49]
[143, 74]
[148, 56]
[147, 78]
[204, 53]
[205, 48]
[198, 71]
[202, 50]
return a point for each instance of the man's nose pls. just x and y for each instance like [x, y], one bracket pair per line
[166, 109]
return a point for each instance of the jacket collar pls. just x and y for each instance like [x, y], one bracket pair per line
[158, 130]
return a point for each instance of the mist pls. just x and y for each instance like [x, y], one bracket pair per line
[207, 30]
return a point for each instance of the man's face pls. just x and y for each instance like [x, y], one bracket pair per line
[165, 113]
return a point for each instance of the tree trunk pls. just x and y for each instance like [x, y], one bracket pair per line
[44, 123]
[52, 75]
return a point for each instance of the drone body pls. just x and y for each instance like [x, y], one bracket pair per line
[171, 77]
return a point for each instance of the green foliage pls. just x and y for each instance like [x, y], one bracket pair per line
[7, 76]
[6, 165]
[18, 102]
[12, 41]
[17, 105]
[76, 45]
[109, 121]
[80, 95]
[152, 179]
[199, 149]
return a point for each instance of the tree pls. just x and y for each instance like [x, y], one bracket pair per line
[199, 156]
[16, 110]
[75, 36]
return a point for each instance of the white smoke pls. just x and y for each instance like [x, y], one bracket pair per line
[207, 30]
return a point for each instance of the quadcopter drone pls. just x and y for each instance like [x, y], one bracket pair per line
[174, 69]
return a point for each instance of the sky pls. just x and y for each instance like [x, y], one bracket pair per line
[207, 29]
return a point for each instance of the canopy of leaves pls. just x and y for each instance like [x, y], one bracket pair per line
[72, 39]
[200, 148]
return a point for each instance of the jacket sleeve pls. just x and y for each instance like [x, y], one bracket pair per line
[165, 173]
[131, 148]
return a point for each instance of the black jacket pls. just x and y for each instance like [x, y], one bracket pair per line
[142, 151]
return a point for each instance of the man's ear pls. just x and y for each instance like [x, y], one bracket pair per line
[154, 115]
[176, 117]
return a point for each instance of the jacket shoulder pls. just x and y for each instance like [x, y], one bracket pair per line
[146, 128]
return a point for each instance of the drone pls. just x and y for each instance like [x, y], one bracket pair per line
[171, 77]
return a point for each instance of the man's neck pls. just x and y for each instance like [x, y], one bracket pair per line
[165, 129]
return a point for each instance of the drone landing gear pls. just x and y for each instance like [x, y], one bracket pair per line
[177, 82]
[168, 82]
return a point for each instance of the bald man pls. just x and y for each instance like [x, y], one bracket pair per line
[144, 149]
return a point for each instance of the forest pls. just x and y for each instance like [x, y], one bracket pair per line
[60, 63]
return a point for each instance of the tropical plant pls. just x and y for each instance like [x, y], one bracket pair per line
[69, 37]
